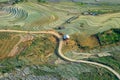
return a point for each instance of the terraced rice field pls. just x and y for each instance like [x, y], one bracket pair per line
[32, 16]
[93, 24]
[7, 42]
[99, 1]
[3, 0]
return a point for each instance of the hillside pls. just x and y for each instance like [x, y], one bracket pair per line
[60, 40]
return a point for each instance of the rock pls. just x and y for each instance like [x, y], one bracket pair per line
[26, 71]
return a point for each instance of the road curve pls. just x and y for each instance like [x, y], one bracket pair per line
[60, 49]
[83, 61]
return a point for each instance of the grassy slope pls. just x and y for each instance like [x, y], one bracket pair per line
[41, 48]
[63, 71]
[112, 61]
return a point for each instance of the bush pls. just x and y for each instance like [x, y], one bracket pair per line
[42, 1]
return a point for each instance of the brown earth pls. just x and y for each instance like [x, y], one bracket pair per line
[90, 41]
[84, 40]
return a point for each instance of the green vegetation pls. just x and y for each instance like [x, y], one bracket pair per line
[109, 37]
[43, 1]
[3, 0]
[80, 3]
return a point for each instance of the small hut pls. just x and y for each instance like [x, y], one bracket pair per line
[65, 37]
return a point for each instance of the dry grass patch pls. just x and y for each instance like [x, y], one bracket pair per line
[88, 41]
[85, 40]
[69, 45]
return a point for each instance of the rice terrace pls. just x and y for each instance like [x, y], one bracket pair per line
[59, 39]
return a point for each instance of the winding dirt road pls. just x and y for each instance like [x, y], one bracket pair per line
[61, 55]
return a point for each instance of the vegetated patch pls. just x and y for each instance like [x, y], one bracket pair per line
[39, 49]
[43, 1]
[108, 37]
[7, 42]
[63, 71]
[9, 64]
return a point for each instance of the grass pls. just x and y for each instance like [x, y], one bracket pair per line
[3, 0]
[74, 70]
[62, 71]
[100, 74]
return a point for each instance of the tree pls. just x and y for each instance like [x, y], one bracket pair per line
[42, 1]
